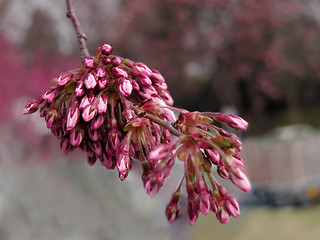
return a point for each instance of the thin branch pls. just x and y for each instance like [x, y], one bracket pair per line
[82, 39]
[162, 123]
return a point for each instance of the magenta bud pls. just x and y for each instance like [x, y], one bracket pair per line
[79, 89]
[97, 122]
[213, 156]
[51, 117]
[89, 62]
[193, 211]
[89, 112]
[205, 203]
[119, 72]
[135, 85]
[222, 215]
[96, 147]
[93, 134]
[236, 122]
[90, 80]
[106, 49]
[50, 95]
[32, 106]
[101, 72]
[106, 60]
[102, 83]
[76, 136]
[231, 205]
[157, 77]
[63, 79]
[146, 81]
[125, 87]
[116, 60]
[165, 95]
[143, 69]
[65, 145]
[102, 103]
[223, 172]
[240, 179]
[73, 115]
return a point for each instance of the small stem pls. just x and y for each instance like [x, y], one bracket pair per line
[82, 39]
[162, 123]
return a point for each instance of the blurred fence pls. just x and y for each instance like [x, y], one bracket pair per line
[285, 161]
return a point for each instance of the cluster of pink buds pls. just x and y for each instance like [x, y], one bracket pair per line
[118, 111]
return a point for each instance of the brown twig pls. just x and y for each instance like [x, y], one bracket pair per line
[165, 124]
[84, 52]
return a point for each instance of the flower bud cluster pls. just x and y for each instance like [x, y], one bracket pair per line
[88, 109]
[201, 146]
[118, 111]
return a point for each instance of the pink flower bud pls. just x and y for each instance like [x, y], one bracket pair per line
[32, 106]
[165, 95]
[101, 72]
[213, 155]
[76, 136]
[89, 112]
[116, 60]
[51, 117]
[172, 212]
[123, 160]
[96, 147]
[161, 151]
[106, 49]
[222, 171]
[63, 79]
[143, 69]
[146, 81]
[79, 89]
[236, 122]
[205, 203]
[157, 77]
[102, 103]
[231, 205]
[193, 211]
[50, 95]
[151, 185]
[135, 85]
[119, 72]
[89, 62]
[97, 122]
[125, 87]
[90, 80]
[240, 179]
[222, 215]
[93, 134]
[102, 83]
[114, 139]
[65, 145]
[73, 115]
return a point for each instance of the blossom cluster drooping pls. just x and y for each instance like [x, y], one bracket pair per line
[118, 111]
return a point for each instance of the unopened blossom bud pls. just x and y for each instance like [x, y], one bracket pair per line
[204, 203]
[222, 215]
[76, 136]
[165, 95]
[73, 115]
[106, 49]
[63, 79]
[114, 139]
[93, 134]
[213, 155]
[97, 122]
[101, 72]
[102, 83]
[50, 95]
[123, 160]
[89, 62]
[79, 88]
[125, 87]
[90, 80]
[135, 85]
[116, 60]
[89, 112]
[32, 106]
[193, 211]
[161, 151]
[223, 172]
[231, 120]
[232, 206]
[143, 69]
[151, 186]
[102, 103]
[96, 147]
[146, 81]
[240, 179]
[51, 117]
[65, 145]
[157, 77]
[119, 72]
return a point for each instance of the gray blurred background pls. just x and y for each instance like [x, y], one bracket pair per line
[256, 58]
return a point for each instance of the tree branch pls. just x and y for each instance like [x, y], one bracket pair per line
[82, 39]
[162, 123]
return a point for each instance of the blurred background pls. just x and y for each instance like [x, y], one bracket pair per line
[256, 58]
